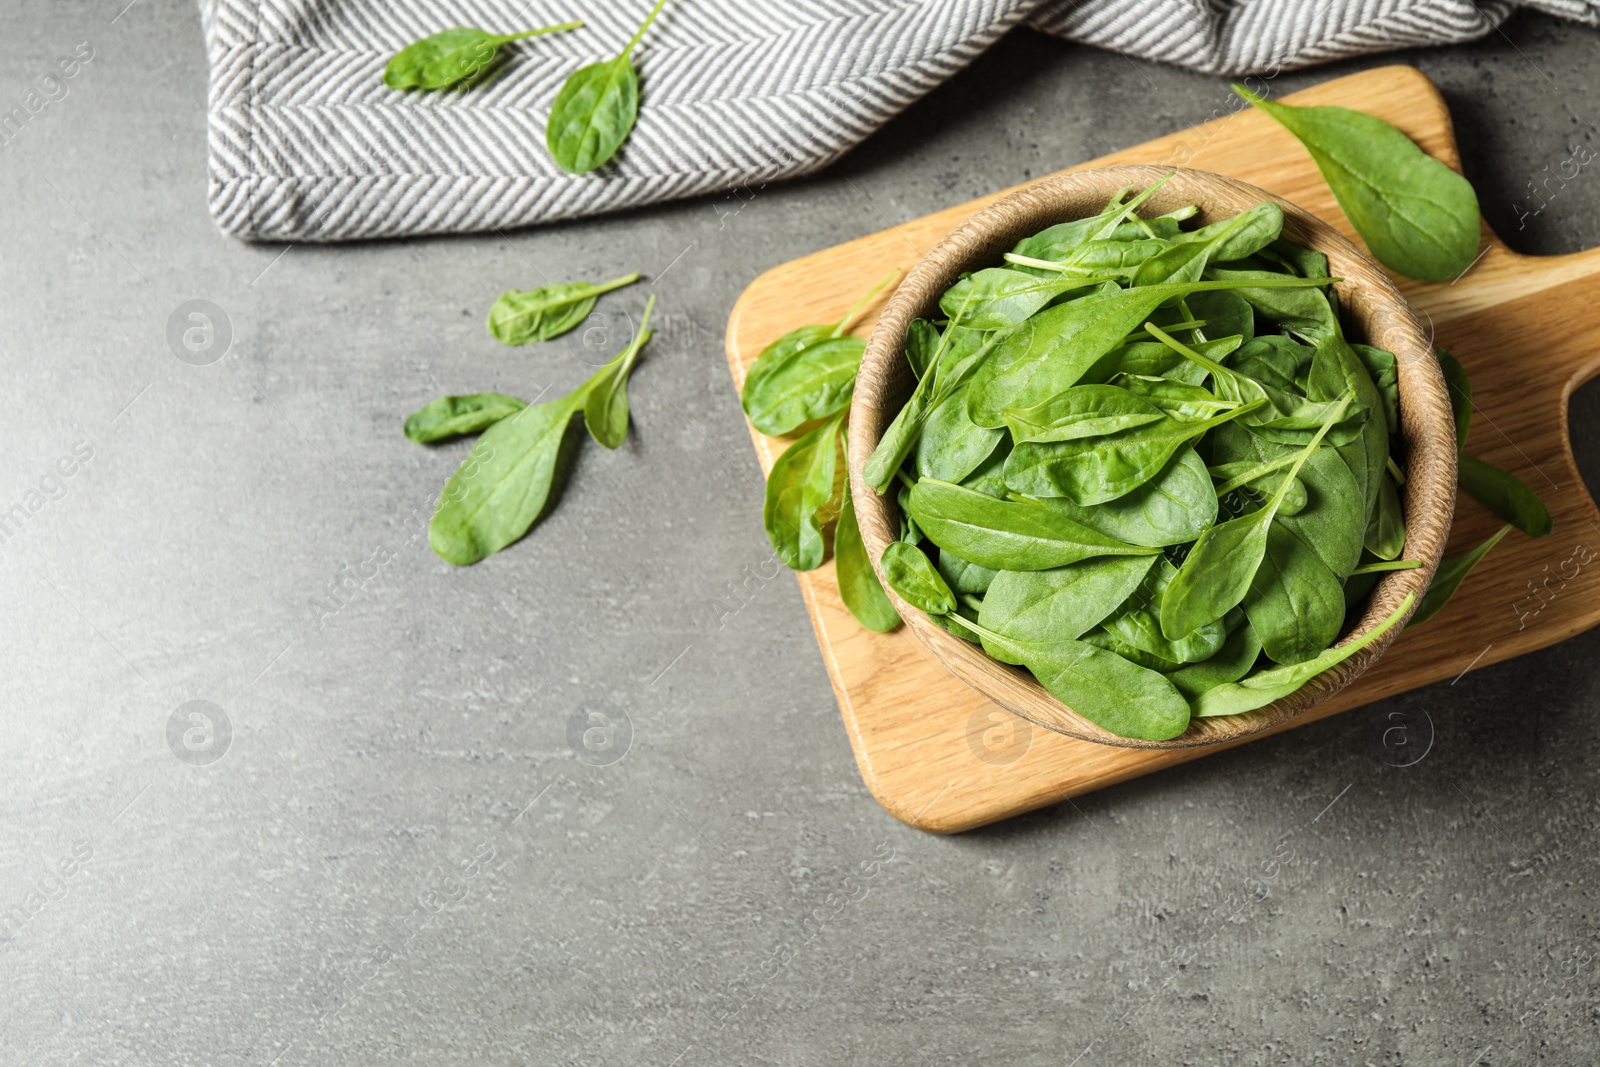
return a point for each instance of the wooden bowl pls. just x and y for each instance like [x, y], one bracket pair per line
[1372, 310]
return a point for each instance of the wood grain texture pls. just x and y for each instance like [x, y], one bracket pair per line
[1373, 311]
[942, 757]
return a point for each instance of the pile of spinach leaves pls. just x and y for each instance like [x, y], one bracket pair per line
[1140, 460]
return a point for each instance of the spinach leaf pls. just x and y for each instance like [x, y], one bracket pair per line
[505, 484]
[1232, 662]
[1335, 372]
[1275, 360]
[1448, 578]
[1225, 314]
[1332, 521]
[922, 343]
[1039, 607]
[816, 381]
[963, 576]
[1304, 313]
[1295, 603]
[960, 353]
[1385, 373]
[1052, 350]
[453, 56]
[1419, 217]
[453, 416]
[1104, 468]
[522, 317]
[802, 485]
[809, 373]
[858, 582]
[1217, 573]
[997, 298]
[1104, 687]
[1004, 534]
[1455, 378]
[1504, 494]
[1081, 411]
[1176, 398]
[1386, 529]
[1227, 239]
[595, 110]
[1113, 693]
[1173, 508]
[1284, 417]
[951, 447]
[605, 410]
[1260, 689]
[1136, 623]
[913, 576]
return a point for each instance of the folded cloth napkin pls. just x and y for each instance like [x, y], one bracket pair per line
[308, 144]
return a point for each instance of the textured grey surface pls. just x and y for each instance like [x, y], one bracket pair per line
[401, 857]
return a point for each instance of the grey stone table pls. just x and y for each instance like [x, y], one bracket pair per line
[407, 850]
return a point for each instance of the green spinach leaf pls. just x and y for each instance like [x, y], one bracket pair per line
[802, 486]
[912, 575]
[859, 587]
[521, 317]
[505, 484]
[595, 110]
[1295, 603]
[454, 416]
[1448, 578]
[1006, 535]
[605, 410]
[1262, 688]
[1217, 573]
[1504, 494]
[1419, 217]
[1104, 468]
[454, 56]
[1232, 662]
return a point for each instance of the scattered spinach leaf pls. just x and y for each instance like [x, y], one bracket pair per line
[454, 56]
[1448, 578]
[859, 587]
[521, 317]
[1504, 494]
[455, 416]
[1419, 217]
[596, 108]
[605, 410]
[801, 486]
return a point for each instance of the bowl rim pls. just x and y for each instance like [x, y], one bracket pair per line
[1369, 301]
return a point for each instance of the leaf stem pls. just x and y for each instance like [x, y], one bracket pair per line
[855, 310]
[1190, 324]
[558, 28]
[1130, 207]
[1305, 453]
[1183, 349]
[648, 20]
[1395, 472]
[617, 283]
[1387, 565]
[1255, 473]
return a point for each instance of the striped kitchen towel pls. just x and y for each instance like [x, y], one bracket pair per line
[308, 144]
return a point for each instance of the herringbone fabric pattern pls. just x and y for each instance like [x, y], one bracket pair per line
[308, 144]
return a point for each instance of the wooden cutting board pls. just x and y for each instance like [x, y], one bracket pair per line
[941, 757]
